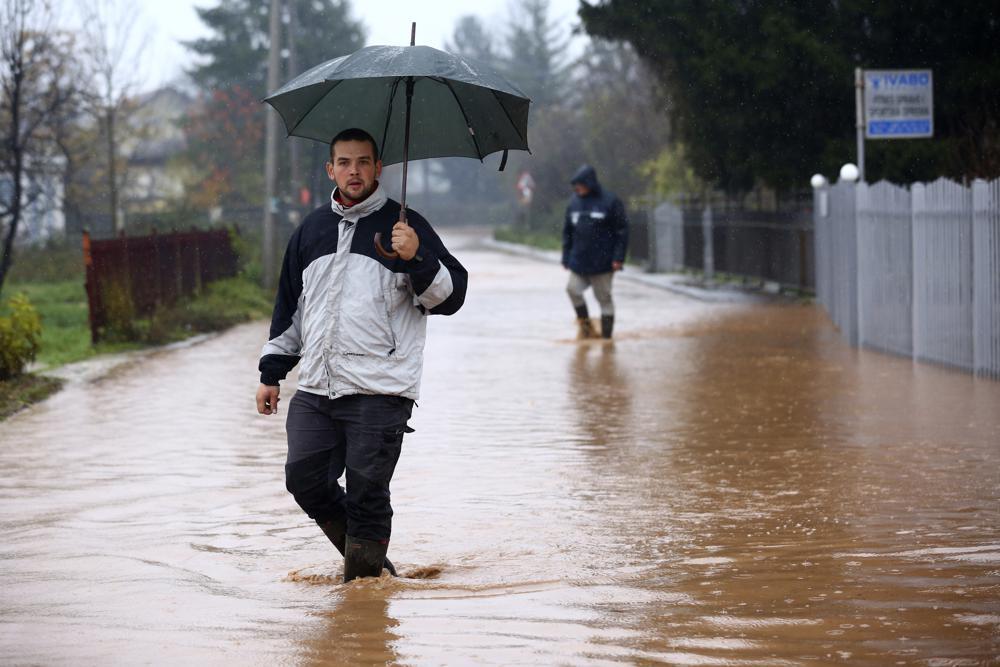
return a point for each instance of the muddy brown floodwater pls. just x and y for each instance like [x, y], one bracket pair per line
[724, 485]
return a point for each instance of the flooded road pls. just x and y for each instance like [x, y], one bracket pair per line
[724, 485]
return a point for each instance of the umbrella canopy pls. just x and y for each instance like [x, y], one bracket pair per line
[460, 108]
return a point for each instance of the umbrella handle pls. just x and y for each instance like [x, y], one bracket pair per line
[386, 254]
[380, 249]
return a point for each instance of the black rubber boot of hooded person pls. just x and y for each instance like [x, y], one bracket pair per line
[336, 531]
[363, 558]
[607, 325]
[586, 329]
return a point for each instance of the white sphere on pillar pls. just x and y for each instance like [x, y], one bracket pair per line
[849, 172]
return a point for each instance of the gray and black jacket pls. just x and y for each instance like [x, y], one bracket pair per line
[356, 321]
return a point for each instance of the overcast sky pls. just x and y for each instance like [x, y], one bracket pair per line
[166, 24]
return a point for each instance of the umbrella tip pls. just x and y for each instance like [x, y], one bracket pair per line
[413, 33]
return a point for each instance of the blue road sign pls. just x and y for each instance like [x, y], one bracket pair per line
[899, 104]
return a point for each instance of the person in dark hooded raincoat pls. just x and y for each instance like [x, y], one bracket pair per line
[595, 238]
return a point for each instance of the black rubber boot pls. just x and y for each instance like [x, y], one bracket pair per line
[336, 531]
[607, 325]
[363, 558]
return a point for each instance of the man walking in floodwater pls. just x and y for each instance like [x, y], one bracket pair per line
[595, 237]
[355, 321]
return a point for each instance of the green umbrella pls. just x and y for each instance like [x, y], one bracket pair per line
[457, 107]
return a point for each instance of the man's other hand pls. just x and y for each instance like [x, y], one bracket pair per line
[616, 266]
[267, 399]
[405, 241]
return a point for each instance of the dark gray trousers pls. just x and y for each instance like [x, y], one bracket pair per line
[359, 434]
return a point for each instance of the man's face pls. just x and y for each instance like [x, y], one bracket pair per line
[354, 169]
[581, 189]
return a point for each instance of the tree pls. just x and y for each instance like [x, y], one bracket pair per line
[531, 55]
[959, 42]
[113, 49]
[763, 90]
[236, 54]
[625, 113]
[38, 83]
[740, 74]
[534, 57]
[235, 64]
[471, 40]
[225, 172]
[616, 118]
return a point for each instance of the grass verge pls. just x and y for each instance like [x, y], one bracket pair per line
[62, 306]
[20, 392]
[546, 240]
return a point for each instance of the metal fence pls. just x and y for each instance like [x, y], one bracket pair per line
[773, 245]
[913, 271]
[132, 276]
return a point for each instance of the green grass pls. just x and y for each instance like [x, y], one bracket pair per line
[53, 279]
[223, 304]
[546, 240]
[22, 391]
[66, 330]
[65, 325]
[52, 263]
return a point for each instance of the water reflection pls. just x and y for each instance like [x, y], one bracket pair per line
[356, 629]
[599, 392]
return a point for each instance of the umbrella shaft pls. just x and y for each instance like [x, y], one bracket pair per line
[406, 145]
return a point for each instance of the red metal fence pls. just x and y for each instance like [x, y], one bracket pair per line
[131, 276]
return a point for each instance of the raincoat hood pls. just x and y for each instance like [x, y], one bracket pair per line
[587, 176]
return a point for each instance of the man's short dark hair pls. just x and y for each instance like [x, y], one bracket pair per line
[354, 134]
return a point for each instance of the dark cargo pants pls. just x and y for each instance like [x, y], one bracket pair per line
[361, 434]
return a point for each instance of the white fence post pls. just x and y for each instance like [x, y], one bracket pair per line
[821, 244]
[986, 278]
[708, 255]
[843, 275]
[667, 238]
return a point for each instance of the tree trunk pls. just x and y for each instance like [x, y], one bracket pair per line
[16, 148]
[271, 152]
[15, 213]
[294, 152]
[112, 172]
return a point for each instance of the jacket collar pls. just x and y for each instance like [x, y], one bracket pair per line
[374, 202]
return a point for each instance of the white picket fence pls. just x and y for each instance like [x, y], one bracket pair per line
[913, 271]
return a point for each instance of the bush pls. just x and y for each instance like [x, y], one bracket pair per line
[20, 336]
[119, 312]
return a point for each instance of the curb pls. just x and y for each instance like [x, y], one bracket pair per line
[96, 368]
[673, 282]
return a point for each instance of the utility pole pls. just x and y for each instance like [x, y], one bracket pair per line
[859, 119]
[294, 144]
[271, 154]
